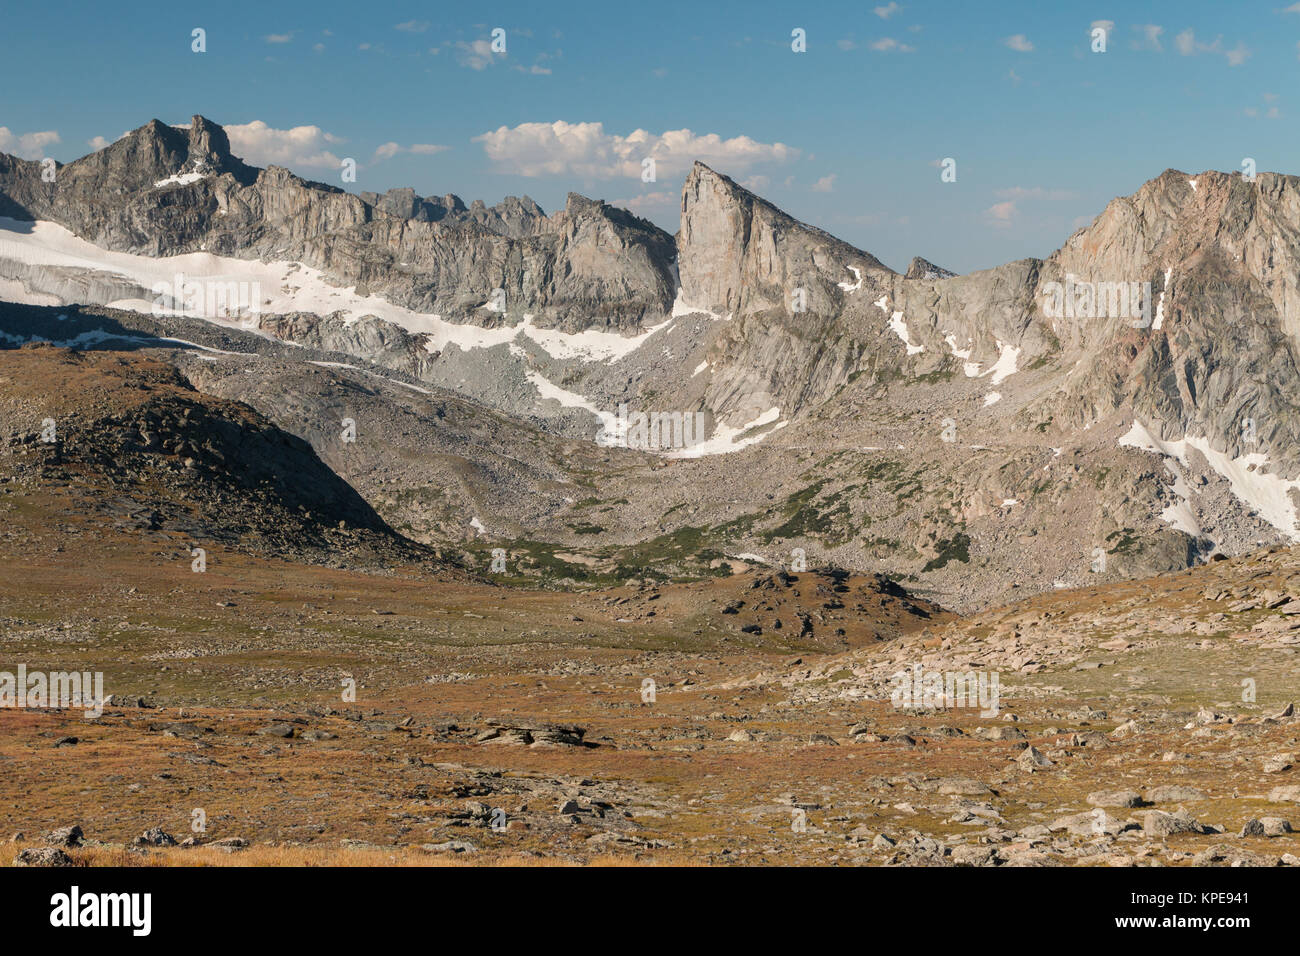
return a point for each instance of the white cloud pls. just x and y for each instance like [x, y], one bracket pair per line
[890, 45]
[305, 146]
[825, 184]
[1020, 43]
[278, 38]
[477, 55]
[26, 145]
[1001, 214]
[97, 143]
[262, 145]
[887, 11]
[1188, 45]
[662, 201]
[1271, 112]
[1107, 25]
[1294, 8]
[412, 26]
[848, 43]
[586, 150]
[1150, 37]
[389, 150]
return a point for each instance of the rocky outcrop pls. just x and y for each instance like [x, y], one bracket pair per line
[924, 269]
[149, 451]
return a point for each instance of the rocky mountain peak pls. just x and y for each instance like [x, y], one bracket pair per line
[156, 151]
[208, 142]
[740, 254]
[925, 269]
[576, 204]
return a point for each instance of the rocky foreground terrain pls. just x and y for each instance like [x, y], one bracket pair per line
[285, 706]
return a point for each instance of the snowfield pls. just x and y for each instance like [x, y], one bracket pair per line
[284, 287]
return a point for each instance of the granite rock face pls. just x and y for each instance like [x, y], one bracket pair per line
[739, 255]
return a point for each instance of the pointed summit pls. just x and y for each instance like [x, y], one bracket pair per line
[156, 152]
[737, 253]
[925, 269]
[208, 142]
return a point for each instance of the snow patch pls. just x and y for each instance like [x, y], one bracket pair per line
[1268, 495]
[591, 345]
[900, 329]
[1179, 514]
[1139, 437]
[971, 369]
[1160, 305]
[180, 179]
[726, 438]
[681, 309]
[1006, 365]
[852, 286]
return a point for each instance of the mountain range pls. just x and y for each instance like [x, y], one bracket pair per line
[1122, 407]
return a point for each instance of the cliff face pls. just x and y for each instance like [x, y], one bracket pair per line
[1216, 356]
[738, 254]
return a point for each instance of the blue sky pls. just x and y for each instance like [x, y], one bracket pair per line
[845, 135]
